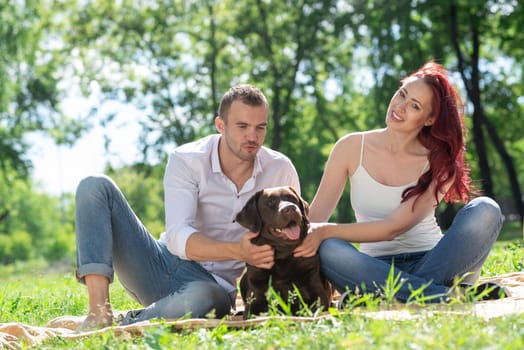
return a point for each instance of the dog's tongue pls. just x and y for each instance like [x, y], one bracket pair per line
[292, 232]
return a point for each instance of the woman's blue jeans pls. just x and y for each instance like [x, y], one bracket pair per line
[459, 254]
[110, 238]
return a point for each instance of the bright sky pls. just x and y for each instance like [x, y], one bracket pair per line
[59, 169]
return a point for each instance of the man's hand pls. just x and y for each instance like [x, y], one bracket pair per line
[259, 256]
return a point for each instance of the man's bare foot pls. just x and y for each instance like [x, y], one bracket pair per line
[93, 322]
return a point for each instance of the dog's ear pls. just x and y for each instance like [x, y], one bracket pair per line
[304, 206]
[249, 216]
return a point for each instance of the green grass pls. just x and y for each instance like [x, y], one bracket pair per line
[34, 293]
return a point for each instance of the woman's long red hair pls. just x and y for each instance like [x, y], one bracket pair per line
[444, 139]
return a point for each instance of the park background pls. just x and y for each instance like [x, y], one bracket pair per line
[159, 68]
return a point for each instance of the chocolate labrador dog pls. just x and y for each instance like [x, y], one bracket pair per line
[280, 216]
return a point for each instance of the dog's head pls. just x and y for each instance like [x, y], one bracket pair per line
[279, 214]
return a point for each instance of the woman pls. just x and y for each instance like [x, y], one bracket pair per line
[398, 175]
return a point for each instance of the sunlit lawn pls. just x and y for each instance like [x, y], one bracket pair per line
[34, 294]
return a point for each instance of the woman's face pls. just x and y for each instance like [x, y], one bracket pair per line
[410, 107]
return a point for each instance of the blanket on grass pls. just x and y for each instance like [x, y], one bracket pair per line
[16, 335]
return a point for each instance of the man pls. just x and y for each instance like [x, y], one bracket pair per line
[192, 269]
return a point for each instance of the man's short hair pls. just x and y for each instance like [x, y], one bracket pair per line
[246, 93]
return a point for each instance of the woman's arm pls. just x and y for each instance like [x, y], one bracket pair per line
[407, 215]
[397, 222]
[342, 162]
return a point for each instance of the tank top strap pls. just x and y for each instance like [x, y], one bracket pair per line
[424, 167]
[362, 148]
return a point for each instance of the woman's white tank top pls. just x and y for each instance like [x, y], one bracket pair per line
[373, 201]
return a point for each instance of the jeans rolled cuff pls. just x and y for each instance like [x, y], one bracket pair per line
[94, 269]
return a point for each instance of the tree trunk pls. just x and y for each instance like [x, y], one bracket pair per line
[480, 120]
[509, 164]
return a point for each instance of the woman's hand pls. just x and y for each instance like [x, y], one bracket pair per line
[309, 247]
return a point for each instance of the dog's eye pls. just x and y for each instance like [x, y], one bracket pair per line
[289, 198]
[272, 202]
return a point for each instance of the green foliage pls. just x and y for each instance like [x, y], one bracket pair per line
[5, 249]
[34, 224]
[328, 68]
[512, 230]
[282, 305]
[143, 188]
[507, 256]
[34, 294]
[59, 247]
[392, 286]
[30, 73]
[21, 246]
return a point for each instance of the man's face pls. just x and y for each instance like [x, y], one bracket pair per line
[245, 129]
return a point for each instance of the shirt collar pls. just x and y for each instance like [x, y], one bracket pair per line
[215, 160]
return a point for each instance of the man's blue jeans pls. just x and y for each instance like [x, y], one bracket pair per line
[461, 252]
[110, 237]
